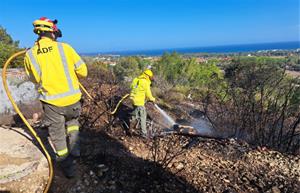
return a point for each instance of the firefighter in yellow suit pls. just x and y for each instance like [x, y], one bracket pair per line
[140, 91]
[55, 68]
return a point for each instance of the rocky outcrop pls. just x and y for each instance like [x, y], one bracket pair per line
[23, 168]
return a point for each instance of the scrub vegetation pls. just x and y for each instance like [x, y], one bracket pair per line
[247, 98]
[8, 47]
[250, 98]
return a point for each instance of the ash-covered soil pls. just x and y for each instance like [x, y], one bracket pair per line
[115, 162]
[112, 161]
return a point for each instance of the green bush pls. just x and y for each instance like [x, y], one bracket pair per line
[261, 103]
[128, 68]
[187, 75]
[8, 47]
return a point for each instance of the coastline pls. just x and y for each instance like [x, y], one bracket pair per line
[237, 48]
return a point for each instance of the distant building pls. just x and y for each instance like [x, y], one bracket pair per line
[201, 60]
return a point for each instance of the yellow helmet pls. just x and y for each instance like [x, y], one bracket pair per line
[44, 25]
[149, 73]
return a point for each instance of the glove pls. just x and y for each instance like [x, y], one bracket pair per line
[152, 102]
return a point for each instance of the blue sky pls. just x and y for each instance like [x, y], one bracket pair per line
[114, 25]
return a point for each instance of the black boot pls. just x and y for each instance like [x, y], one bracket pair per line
[68, 167]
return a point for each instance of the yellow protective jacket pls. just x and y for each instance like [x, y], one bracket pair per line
[54, 66]
[140, 90]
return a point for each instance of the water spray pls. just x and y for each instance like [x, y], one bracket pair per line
[198, 128]
[169, 119]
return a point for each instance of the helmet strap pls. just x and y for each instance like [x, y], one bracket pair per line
[57, 34]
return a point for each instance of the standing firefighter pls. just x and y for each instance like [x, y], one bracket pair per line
[140, 91]
[55, 66]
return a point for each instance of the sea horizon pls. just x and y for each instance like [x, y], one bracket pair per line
[234, 48]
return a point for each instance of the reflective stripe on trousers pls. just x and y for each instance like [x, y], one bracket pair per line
[74, 141]
[59, 121]
[62, 152]
[72, 128]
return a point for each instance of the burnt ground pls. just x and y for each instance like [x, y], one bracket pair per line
[113, 161]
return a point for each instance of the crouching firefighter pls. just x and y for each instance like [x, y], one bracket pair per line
[140, 91]
[54, 67]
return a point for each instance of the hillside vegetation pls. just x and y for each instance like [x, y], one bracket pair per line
[8, 47]
[249, 100]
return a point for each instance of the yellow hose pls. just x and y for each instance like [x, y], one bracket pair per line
[120, 101]
[4, 77]
[88, 94]
[24, 119]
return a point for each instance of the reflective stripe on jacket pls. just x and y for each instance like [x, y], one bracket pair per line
[54, 66]
[140, 90]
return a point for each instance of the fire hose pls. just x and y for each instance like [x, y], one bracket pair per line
[93, 100]
[33, 132]
[24, 119]
[120, 101]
